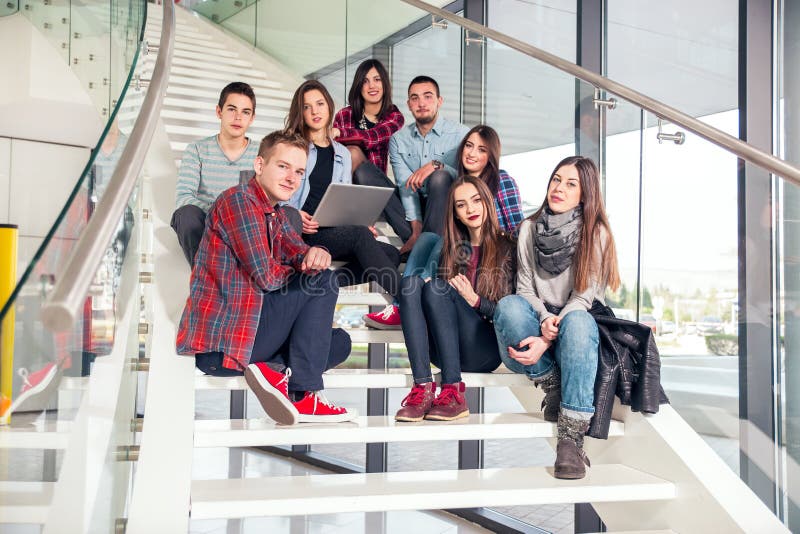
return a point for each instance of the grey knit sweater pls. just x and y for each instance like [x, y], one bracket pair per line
[538, 286]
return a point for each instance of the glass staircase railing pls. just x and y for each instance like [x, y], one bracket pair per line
[69, 397]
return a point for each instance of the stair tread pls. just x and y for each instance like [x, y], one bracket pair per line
[46, 435]
[214, 95]
[373, 429]
[202, 67]
[211, 83]
[25, 502]
[372, 378]
[420, 490]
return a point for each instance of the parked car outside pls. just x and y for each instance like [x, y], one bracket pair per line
[648, 320]
[710, 325]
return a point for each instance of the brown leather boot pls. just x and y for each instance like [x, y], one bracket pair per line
[571, 460]
[417, 402]
[450, 404]
[551, 385]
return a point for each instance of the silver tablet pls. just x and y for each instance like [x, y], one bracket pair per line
[345, 204]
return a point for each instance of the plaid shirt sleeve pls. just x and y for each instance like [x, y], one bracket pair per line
[243, 226]
[508, 203]
[374, 137]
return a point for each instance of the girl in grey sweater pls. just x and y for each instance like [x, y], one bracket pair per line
[566, 259]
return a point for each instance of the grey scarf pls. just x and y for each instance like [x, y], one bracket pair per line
[556, 239]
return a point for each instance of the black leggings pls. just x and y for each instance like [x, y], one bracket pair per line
[369, 260]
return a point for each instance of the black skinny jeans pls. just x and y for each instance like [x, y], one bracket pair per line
[369, 260]
[441, 328]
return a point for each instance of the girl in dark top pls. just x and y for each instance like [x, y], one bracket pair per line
[329, 161]
[371, 118]
[446, 320]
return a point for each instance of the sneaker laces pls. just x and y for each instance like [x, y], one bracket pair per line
[286, 374]
[23, 373]
[387, 312]
[447, 396]
[320, 398]
[416, 396]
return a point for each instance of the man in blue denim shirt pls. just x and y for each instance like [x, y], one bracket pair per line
[423, 158]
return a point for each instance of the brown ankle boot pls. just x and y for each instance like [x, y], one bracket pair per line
[571, 460]
[450, 404]
[551, 385]
[417, 402]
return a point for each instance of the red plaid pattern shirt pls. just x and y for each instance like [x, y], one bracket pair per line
[376, 140]
[248, 248]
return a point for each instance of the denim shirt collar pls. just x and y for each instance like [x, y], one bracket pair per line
[437, 127]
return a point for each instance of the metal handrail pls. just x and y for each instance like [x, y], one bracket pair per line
[65, 303]
[709, 133]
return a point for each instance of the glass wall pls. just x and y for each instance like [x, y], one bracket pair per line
[787, 215]
[673, 207]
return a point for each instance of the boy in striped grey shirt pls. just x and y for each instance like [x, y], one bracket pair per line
[212, 165]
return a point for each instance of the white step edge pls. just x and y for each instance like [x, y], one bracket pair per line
[233, 60]
[25, 502]
[374, 429]
[47, 435]
[211, 118]
[368, 335]
[424, 490]
[204, 110]
[205, 41]
[214, 84]
[223, 69]
[253, 78]
[218, 52]
[368, 299]
[213, 96]
[369, 378]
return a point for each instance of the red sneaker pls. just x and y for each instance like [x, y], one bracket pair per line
[272, 390]
[450, 404]
[315, 408]
[388, 319]
[39, 384]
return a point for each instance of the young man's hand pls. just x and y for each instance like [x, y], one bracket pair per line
[310, 226]
[416, 230]
[316, 259]
[419, 176]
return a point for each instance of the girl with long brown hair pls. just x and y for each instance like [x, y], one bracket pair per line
[447, 320]
[310, 115]
[478, 156]
[566, 259]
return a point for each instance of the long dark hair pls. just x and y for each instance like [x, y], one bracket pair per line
[594, 222]
[494, 280]
[354, 97]
[491, 173]
[294, 120]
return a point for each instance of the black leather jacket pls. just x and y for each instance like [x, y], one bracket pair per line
[628, 366]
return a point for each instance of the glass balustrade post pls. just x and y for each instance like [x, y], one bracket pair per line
[473, 87]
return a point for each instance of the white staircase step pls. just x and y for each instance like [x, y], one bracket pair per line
[364, 299]
[25, 502]
[195, 40]
[208, 58]
[211, 118]
[368, 335]
[47, 435]
[371, 378]
[213, 96]
[373, 429]
[219, 84]
[206, 50]
[424, 490]
[202, 68]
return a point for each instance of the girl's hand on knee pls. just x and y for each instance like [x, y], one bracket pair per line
[550, 328]
[530, 350]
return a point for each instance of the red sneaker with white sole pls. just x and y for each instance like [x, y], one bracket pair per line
[387, 319]
[39, 384]
[272, 391]
[315, 408]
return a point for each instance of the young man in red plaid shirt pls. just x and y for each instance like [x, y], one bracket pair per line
[261, 300]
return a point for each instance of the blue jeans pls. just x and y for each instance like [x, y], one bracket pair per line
[424, 257]
[574, 350]
[441, 328]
